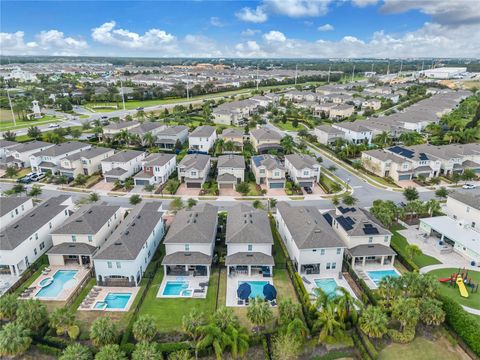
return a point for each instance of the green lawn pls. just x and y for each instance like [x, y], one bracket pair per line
[472, 301]
[253, 190]
[6, 122]
[401, 243]
[288, 126]
[168, 313]
[422, 349]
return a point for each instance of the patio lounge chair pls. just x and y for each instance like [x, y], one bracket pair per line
[203, 284]
[247, 301]
[306, 280]
[273, 303]
[240, 302]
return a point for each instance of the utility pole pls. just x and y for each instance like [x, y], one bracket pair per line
[388, 68]
[257, 78]
[353, 72]
[296, 73]
[123, 96]
[329, 68]
[372, 68]
[11, 108]
[401, 66]
[188, 95]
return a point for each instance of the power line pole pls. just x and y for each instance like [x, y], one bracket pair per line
[329, 68]
[388, 68]
[123, 96]
[296, 73]
[401, 66]
[257, 78]
[11, 108]
[353, 72]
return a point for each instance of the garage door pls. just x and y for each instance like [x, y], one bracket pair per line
[226, 186]
[142, 182]
[194, 185]
[306, 184]
[110, 179]
[403, 177]
[276, 185]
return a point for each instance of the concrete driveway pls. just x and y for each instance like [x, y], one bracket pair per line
[182, 190]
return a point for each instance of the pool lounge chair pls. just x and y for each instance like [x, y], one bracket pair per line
[305, 280]
[239, 302]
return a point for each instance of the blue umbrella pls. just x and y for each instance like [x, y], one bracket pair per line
[244, 291]
[269, 292]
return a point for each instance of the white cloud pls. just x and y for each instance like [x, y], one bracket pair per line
[250, 32]
[250, 15]
[275, 36]
[364, 3]
[215, 21]
[249, 49]
[326, 27]
[198, 46]
[298, 8]
[152, 39]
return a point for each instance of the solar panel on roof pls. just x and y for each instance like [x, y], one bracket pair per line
[370, 230]
[328, 217]
[350, 220]
[343, 222]
[423, 156]
[368, 225]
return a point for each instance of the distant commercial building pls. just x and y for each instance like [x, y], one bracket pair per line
[445, 73]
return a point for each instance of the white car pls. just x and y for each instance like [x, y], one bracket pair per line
[470, 186]
[37, 176]
[53, 126]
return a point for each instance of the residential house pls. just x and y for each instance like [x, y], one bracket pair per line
[13, 208]
[202, 138]
[49, 160]
[299, 96]
[354, 132]
[122, 165]
[234, 136]
[341, 111]
[366, 239]
[249, 241]
[153, 128]
[327, 134]
[312, 245]
[23, 241]
[5, 147]
[169, 136]
[323, 110]
[156, 169]
[193, 170]
[374, 104]
[236, 112]
[269, 171]
[114, 128]
[83, 233]
[304, 170]
[190, 241]
[86, 162]
[231, 171]
[123, 259]
[264, 139]
[19, 155]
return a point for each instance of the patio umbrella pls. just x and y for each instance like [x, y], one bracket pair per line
[244, 291]
[269, 292]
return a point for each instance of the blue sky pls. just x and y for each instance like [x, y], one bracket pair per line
[267, 28]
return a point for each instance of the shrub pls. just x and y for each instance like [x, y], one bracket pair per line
[73, 332]
[49, 350]
[402, 337]
[360, 347]
[167, 348]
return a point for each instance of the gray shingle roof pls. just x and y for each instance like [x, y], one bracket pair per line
[187, 258]
[195, 161]
[329, 129]
[195, 225]
[246, 225]
[29, 146]
[360, 220]
[265, 134]
[89, 153]
[231, 161]
[128, 239]
[87, 220]
[249, 258]
[115, 172]
[371, 250]
[301, 161]
[72, 248]
[172, 130]
[203, 131]
[17, 232]
[226, 177]
[6, 143]
[158, 159]
[124, 156]
[308, 227]
[145, 128]
[63, 148]
[470, 197]
[7, 204]
[121, 125]
[232, 132]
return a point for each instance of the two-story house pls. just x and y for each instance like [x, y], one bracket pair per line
[327, 134]
[249, 242]
[193, 170]
[83, 233]
[355, 132]
[269, 171]
[156, 169]
[304, 170]
[123, 259]
[312, 245]
[13, 208]
[115, 128]
[154, 128]
[5, 146]
[231, 171]
[168, 137]
[86, 162]
[23, 241]
[190, 241]
[202, 138]
[232, 136]
[265, 139]
[19, 155]
[122, 165]
[49, 159]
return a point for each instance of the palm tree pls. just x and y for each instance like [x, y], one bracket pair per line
[238, 338]
[61, 319]
[76, 352]
[388, 289]
[135, 199]
[144, 329]
[321, 297]
[225, 317]
[349, 200]
[103, 332]
[347, 306]
[109, 352]
[32, 314]
[259, 312]
[148, 139]
[373, 322]
[35, 191]
[406, 311]
[191, 324]
[93, 197]
[432, 206]
[442, 192]
[180, 355]
[431, 312]
[14, 339]
[288, 144]
[296, 328]
[34, 132]
[327, 320]
[412, 251]
[11, 171]
[336, 200]
[410, 193]
[212, 336]
[288, 311]
[9, 135]
[177, 204]
[286, 347]
[8, 307]
[146, 351]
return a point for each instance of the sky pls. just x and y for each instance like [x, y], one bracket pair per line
[252, 29]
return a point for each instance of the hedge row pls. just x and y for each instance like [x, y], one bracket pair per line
[462, 323]
[402, 255]
[372, 351]
[363, 285]
[359, 346]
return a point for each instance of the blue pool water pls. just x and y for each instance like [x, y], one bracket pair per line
[256, 286]
[175, 288]
[329, 286]
[378, 275]
[60, 278]
[114, 301]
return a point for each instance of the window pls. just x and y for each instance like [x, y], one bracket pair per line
[90, 238]
[23, 208]
[50, 225]
[11, 215]
[42, 245]
[16, 211]
[385, 239]
[328, 266]
[36, 236]
[305, 173]
[66, 212]
[74, 238]
[334, 265]
[473, 224]
[370, 239]
[339, 251]
[250, 247]
[35, 251]
[187, 247]
[322, 251]
[109, 264]
[262, 171]
[276, 173]
[193, 173]
[468, 208]
[119, 264]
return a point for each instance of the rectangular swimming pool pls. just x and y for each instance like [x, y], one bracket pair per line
[378, 275]
[176, 288]
[329, 286]
[257, 288]
[114, 301]
[62, 279]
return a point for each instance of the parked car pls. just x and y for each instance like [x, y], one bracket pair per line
[308, 190]
[24, 180]
[37, 176]
[470, 186]
[140, 108]
[104, 117]
[53, 126]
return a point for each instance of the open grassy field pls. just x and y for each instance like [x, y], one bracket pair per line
[6, 121]
[288, 126]
[452, 292]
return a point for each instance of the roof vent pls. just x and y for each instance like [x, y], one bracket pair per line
[89, 211]
[71, 245]
[15, 227]
[188, 254]
[133, 224]
[118, 243]
[139, 216]
[79, 220]
[32, 215]
[127, 232]
[318, 231]
[249, 255]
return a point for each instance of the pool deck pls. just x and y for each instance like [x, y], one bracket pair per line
[232, 286]
[99, 293]
[193, 284]
[312, 277]
[67, 292]
[362, 273]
